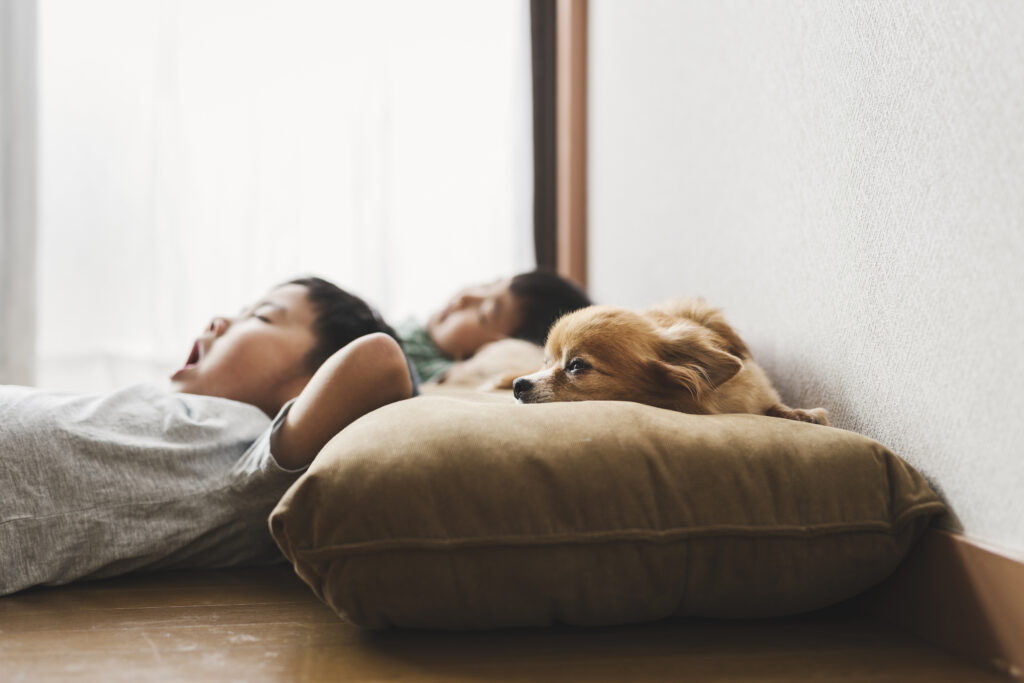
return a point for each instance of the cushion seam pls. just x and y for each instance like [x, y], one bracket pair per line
[660, 536]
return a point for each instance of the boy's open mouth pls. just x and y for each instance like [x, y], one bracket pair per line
[192, 361]
[193, 357]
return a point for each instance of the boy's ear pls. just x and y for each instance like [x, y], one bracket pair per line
[691, 357]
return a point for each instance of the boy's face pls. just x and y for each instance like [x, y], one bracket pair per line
[474, 317]
[257, 356]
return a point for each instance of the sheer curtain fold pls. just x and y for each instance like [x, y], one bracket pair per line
[17, 190]
[196, 153]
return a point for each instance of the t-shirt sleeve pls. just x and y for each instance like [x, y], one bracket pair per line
[422, 353]
[260, 459]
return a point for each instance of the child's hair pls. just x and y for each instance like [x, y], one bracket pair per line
[543, 298]
[340, 318]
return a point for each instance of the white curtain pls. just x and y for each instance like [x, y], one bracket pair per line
[196, 152]
[17, 190]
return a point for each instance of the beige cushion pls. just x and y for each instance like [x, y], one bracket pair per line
[468, 511]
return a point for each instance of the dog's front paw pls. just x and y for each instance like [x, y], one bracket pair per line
[818, 416]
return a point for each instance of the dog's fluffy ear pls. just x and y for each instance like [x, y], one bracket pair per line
[693, 357]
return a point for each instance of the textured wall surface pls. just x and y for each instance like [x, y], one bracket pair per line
[847, 181]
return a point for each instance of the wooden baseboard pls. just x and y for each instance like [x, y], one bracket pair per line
[960, 596]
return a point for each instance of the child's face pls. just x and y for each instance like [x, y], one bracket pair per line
[474, 317]
[257, 356]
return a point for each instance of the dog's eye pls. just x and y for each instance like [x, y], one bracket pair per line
[576, 365]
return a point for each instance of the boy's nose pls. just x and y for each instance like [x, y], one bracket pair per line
[218, 326]
[468, 300]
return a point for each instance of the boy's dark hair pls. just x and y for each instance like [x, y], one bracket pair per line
[340, 318]
[543, 297]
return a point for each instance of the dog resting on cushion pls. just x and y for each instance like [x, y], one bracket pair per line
[681, 355]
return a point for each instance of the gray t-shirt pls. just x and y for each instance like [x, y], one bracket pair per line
[92, 486]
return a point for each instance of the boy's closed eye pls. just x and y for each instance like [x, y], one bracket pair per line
[261, 311]
[488, 311]
[265, 313]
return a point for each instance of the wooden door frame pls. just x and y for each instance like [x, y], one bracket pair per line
[571, 136]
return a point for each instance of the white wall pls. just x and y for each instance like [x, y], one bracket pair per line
[847, 181]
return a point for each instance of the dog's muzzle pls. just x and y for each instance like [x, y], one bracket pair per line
[520, 387]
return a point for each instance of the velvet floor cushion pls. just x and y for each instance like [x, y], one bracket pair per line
[472, 512]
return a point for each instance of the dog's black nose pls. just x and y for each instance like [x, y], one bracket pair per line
[521, 385]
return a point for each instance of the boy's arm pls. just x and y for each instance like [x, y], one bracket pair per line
[364, 375]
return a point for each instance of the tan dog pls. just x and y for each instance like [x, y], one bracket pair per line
[681, 355]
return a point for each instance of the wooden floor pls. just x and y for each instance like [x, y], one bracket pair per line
[265, 625]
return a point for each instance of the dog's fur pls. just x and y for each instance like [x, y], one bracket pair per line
[681, 355]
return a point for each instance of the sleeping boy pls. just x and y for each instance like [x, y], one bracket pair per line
[93, 486]
[522, 307]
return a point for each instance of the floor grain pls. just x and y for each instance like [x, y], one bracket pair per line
[265, 625]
